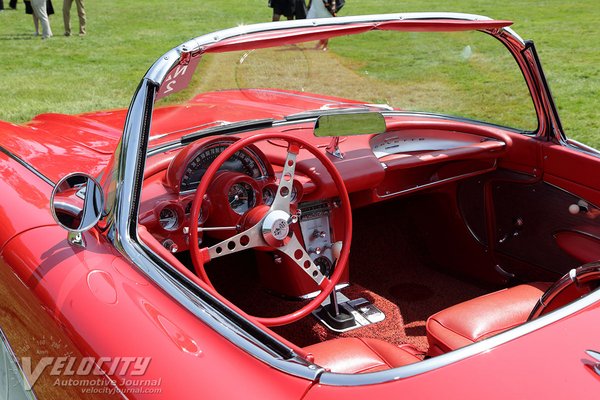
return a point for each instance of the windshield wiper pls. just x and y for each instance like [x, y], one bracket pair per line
[222, 129]
[338, 108]
[226, 129]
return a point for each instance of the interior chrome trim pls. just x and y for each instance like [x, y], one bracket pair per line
[589, 204]
[264, 171]
[440, 182]
[582, 147]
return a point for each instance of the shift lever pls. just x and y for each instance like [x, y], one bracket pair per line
[334, 308]
[331, 312]
[336, 249]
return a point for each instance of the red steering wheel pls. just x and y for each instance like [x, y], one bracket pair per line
[273, 229]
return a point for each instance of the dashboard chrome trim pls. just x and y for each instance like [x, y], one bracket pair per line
[248, 151]
[437, 183]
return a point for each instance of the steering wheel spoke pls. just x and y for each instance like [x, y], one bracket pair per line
[286, 182]
[244, 240]
[296, 252]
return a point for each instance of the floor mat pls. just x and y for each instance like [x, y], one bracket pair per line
[393, 329]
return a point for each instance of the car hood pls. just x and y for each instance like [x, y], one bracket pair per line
[56, 144]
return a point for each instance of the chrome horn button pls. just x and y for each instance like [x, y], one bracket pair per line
[276, 228]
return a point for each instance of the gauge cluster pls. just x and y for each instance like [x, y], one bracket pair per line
[245, 181]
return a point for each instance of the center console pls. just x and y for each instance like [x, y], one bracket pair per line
[316, 232]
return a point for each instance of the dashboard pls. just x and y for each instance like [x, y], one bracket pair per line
[375, 168]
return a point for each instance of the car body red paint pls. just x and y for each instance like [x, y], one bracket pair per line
[126, 293]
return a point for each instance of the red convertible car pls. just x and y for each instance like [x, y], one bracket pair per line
[401, 215]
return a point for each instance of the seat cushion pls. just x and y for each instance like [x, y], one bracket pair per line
[482, 317]
[361, 355]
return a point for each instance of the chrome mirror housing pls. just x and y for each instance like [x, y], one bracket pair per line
[76, 203]
[347, 124]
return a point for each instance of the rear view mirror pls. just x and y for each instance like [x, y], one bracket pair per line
[77, 202]
[349, 124]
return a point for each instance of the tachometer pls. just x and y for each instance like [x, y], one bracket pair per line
[242, 161]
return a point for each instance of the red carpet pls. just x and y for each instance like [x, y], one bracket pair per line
[392, 329]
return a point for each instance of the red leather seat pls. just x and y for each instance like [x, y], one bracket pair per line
[356, 356]
[482, 317]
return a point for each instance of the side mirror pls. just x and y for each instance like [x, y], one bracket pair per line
[77, 202]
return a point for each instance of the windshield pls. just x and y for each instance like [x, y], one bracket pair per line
[465, 74]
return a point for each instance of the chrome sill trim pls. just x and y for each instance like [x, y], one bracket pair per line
[578, 146]
[590, 204]
[333, 379]
[213, 318]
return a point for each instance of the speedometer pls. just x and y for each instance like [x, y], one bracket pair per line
[242, 161]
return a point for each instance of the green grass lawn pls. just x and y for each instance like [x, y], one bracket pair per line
[101, 70]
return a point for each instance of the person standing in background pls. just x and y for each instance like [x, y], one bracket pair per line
[67, 16]
[323, 9]
[291, 9]
[299, 9]
[29, 11]
[40, 12]
[12, 4]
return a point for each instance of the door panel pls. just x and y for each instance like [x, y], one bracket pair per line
[572, 170]
[530, 220]
[552, 224]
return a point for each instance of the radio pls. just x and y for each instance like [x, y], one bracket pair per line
[316, 232]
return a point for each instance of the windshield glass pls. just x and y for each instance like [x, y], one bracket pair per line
[466, 74]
